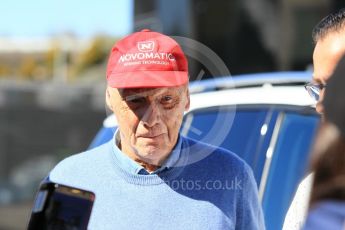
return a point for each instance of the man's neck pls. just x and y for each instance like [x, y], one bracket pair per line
[148, 167]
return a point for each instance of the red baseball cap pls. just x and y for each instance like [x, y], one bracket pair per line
[146, 59]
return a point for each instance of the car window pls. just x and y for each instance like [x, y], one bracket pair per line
[248, 134]
[288, 165]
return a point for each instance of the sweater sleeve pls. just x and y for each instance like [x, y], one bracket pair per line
[250, 214]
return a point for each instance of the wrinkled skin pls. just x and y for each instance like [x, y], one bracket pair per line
[149, 120]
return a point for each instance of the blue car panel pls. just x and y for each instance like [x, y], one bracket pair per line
[104, 135]
[288, 166]
[244, 138]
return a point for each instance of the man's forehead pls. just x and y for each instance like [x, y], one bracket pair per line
[327, 54]
[147, 91]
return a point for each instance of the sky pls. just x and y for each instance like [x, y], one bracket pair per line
[84, 18]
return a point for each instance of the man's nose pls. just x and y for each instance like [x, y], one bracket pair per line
[151, 115]
[322, 94]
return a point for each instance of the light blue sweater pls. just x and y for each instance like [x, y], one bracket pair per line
[208, 188]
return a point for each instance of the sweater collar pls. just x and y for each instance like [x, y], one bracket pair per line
[133, 167]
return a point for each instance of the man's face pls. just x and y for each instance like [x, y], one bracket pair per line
[149, 120]
[327, 54]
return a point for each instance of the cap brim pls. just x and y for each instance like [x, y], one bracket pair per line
[147, 79]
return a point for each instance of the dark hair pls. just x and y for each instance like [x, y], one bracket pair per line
[329, 168]
[331, 23]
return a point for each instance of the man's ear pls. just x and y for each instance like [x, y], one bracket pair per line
[188, 101]
[107, 99]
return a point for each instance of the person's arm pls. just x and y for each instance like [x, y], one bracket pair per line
[250, 216]
[297, 212]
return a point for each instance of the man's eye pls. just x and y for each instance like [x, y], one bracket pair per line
[136, 100]
[167, 99]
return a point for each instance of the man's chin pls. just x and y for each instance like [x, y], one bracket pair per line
[151, 154]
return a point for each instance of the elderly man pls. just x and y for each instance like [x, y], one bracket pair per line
[148, 177]
[329, 38]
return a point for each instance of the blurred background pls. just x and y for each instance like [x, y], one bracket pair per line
[53, 58]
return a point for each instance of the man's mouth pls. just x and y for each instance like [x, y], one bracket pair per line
[152, 136]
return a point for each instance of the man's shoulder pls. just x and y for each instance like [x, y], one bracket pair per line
[81, 163]
[214, 155]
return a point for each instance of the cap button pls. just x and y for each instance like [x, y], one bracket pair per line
[145, 30]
